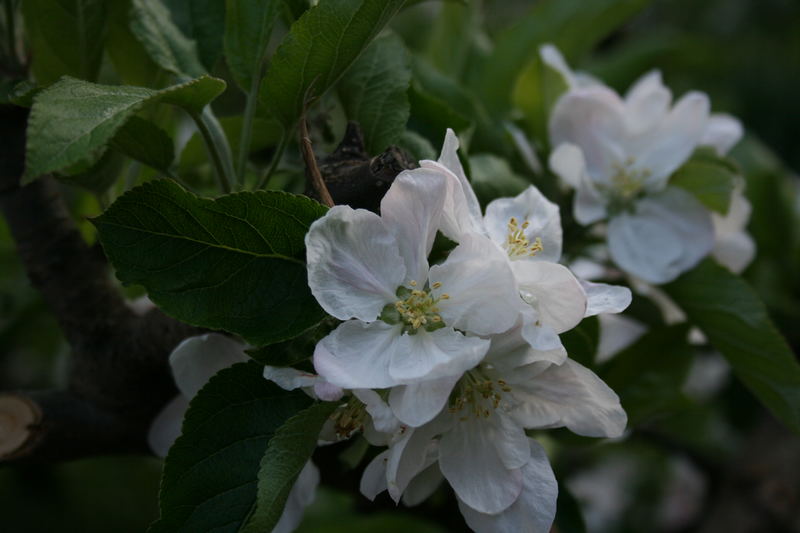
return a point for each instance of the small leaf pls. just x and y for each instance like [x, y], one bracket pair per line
[210, 475]
[73, 120]
[66, 37]
[235, 263]
[168, 47]
[319, 48]
[709, 177]
[492, 177]
[202, 21]
[736, 323]
[575, 27]
[374, 92]
[286, 455]
[248, 26]
[142, 140]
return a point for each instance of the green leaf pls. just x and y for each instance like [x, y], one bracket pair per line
[97, 177]
[431, 116]
[374, 92]
[142, 140]
[286, 455]
[709, 177]
[569, 518]
[649, 374]
[582, 340]
[536, 91]
[492, 178]
[575, 27]
[66, 37]
[452, 37]
[131, 61]
[202, 21]
[210, 475]
[248, 26]
[235, 263]
[736, 323]
[319, 48]
[74, 120]
[293, 351]
[168, 47]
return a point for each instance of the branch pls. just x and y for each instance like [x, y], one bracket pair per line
[119, 377]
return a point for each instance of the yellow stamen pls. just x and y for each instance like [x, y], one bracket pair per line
[517, 244]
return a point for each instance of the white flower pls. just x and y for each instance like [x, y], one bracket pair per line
[527, 229]
[619, 154]
[195, 361]
[408, 324]
[502, 480]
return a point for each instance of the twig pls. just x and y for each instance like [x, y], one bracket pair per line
[308, 154]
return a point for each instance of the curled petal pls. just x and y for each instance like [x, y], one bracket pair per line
[166, 426]
[354, 263]
[603, 298]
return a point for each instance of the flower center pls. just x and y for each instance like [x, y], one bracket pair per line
[419, 308]
[517, 244]
[476, 395]
[627, 182]
[349, 418]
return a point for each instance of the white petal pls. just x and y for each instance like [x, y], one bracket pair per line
[534, 510]
[289, 378]
[530, 206]
[646, 103]
[662, 150]
[511, 350]
[604, 298]
[356, 355]
[166, 426]
[722, 132]
[472, 466]
[411, 454]
[510, 441]
[419, 403]
[423, 486]
[458, 215]
[617, 332]
[573, 396]
[382, 417]
[735, 251]
[483, 298]
[551, 56]
[301, 496]
[195, 360]
[593, 119]
[553, 291]
[412, 208]
[540, 336]
[449, 158]
[568, 163]
[327, 392]
[373, 480]
[435, 354]
[669, 234]
[354, 264]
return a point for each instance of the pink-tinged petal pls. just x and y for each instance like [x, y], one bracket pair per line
[419, 403]
[665, 148]
[667, 235]
[531, 206]
[646, 103]
[483, 297]
[535, 508]
[553, 291]
[373, 480]
[593, 119]
[412, 209]
[604, 298]
[722, 132]
[356, 355]
[469, 461]
[195, 360]
[327, 392]
[570, 395]
[435, 354]
[354, 263]
[166, 426]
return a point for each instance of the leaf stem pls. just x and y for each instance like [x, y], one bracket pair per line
[311, 164]
[247, 127]
[276, 157]
[217, 145]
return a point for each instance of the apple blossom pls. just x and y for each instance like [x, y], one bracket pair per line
[407, 323]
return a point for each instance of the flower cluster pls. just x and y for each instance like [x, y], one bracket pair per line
[453, 352]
